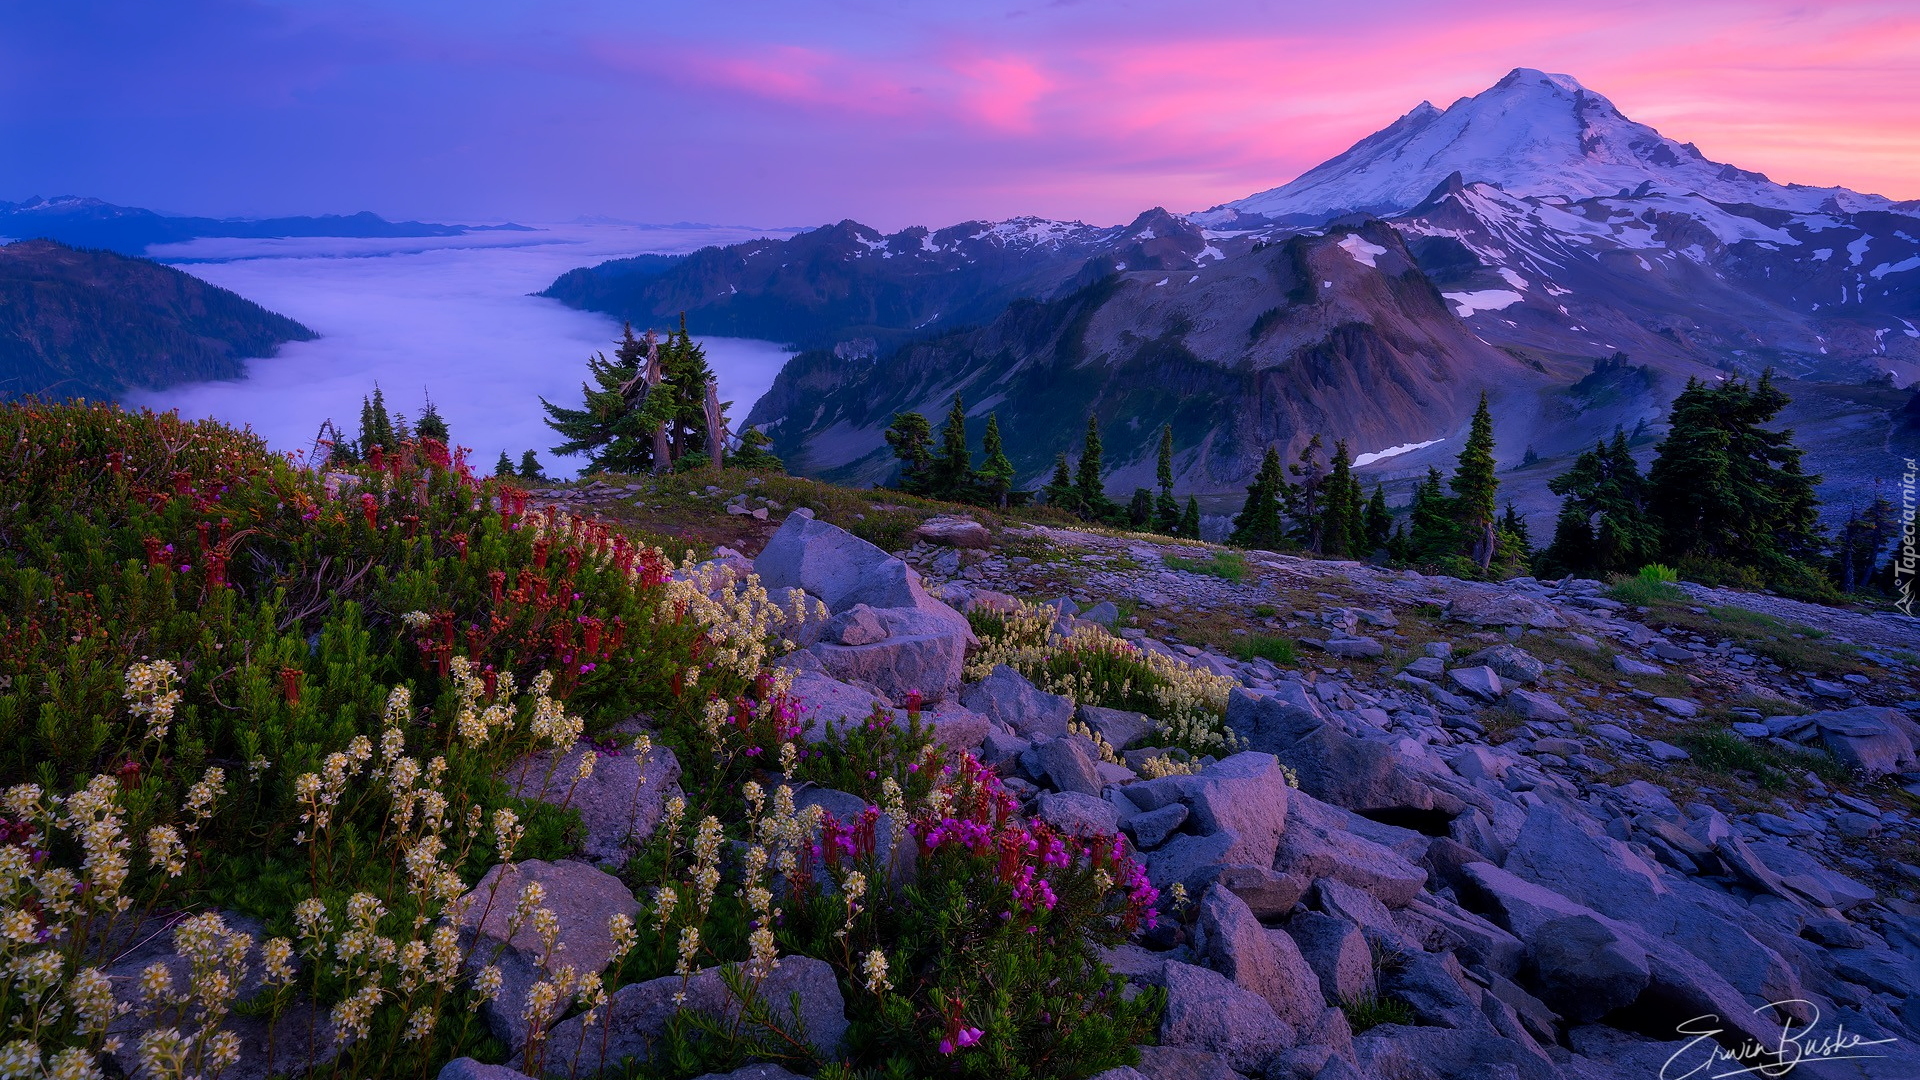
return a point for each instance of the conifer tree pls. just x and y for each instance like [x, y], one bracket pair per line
[1166, 512]
[952, 469]
[753, 453]
[1190, 520]
[503, 467]
[1258, 523]
[1432, 534]
[1378, 524]
[684, 362]
[611, 428]
[1726, 489]
[1300, 501]
[530, 467]
[1868, 532]
[1342, 524]
[376, 427]
[1087, 481]
[433, 426]
[1060, 492]
[996, 472]
[1475, 488]
[1140, 508]
[1512, 539]
[1603, 527]
[911, 438]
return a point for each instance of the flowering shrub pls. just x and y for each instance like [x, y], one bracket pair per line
[1095, 668]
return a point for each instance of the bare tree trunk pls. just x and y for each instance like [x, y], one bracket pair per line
[662, 453]
[716, 426]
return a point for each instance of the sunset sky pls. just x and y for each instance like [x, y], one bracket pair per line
[790, 112]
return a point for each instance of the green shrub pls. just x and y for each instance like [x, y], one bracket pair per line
[1225, 565]
[1272, 647]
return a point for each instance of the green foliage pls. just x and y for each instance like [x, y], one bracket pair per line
[504, 467]
[1343, 517]
[1271, 647]
[636, 418]
[1060, 492]
[753, 455]
[1434, 535]
[1603, 527]
[1475, 487]
[1258, 523]
[1377, 523]
[1370, 1011]
[996, 471]
[432, 426]
[952, 475]
[1190, 520]
[1225, 565]
[1166, 511]
[530, 467]
[862, 757]
[911, 438]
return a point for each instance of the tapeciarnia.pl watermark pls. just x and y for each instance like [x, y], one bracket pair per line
[1704, 1058]
[1906, 561]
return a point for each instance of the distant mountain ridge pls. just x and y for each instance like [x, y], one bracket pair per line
[96, 324]
[93, 223]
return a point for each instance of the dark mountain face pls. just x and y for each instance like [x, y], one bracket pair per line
[91, 223]
[94, 324]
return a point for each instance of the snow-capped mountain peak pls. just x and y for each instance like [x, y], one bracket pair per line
[1534, 134]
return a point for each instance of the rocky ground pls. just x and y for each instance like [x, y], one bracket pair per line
[1522, 829]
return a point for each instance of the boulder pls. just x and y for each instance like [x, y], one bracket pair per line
[1871, 739]
[1357, 648]
[636, 1015]
[839, 568]
[1511, 662]
[465, 1068]
[1498, 608]
[924, 652]
[1118, 727]
[1233, 942]
[956, 727]
[1535, 705]
[960, 532]
[1272, 719]
[1206, 1011]
[1268, 894]
[824, 703]
[1585, 969]
[1317, 844]
[583, 901]
[1481, 683]
[858, 625]
[1627, 665]
[1068, 765]
[1183, 1063]
[1077, 814]
[1338, 953]
[1151, 828]
[1104, 613]
[765, 1070]
[620, 803]
[1006, 696]
[1366, 776]
[1679, 707]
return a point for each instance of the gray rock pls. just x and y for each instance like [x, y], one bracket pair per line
[1869, 738]
[1499, 608]
[1585, 969]
[1511, 663]
[1829, 689]
[1151, 829]
[763, 1071]
[1206, 1011]
[1557, 746]
[1666, 751]
[957, 532]
[922, 653]
[1627, 665]
[825, 704]
[839, 568]
[1358, 648]
[955, 726]
[857, 625]
[1680, 707]
[1338, 953]
[1363, 775]
[1427, 667]
[636, 1015]
[1674, 653]
[1068, 766]
[1234, 943]
[1535, 705]
[1103, 613]
[1005, 695]
[1343, 901]
[1318, 844]
[1077, 814]
[1121, 1072]
[1474, 938]
[1184, 1063]
[620, 804]
[1118, 727]
[1482, 683]
[465, 1068]
[582, 899]
[1243, 798]
[1269, 895]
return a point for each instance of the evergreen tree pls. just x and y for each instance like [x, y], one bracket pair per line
[433, 426]
[1060, 492]
[1166, 512]
[753, 453]
[1140, 508]
[1475, 488]
[684, 363]
[952, 470]
[996, 472]
[1189, 526]
[1378, 523]
[530, 467]
[1432, 534]
[1512, 539]
[612, 427]
[1603, 527]
[376, 427]
[503, 467]
[1726, 489]
[911, 438]
[1867, 533]
[1342, 518]
[1301, 500]
[1258, 523]
[1087, 481]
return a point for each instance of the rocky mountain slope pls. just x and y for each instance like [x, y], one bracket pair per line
[1558, 233]
[95, 324]
[1516, 829]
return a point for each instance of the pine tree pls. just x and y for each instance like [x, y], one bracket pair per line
[1166, 512]
[1513, 540]
[612, 427]
[1475, 488]
[503, 467]
[1378, 523]
[433, 426]
[911, 437]
[1190, 520]
[530, 467]
[376, 427]
[1258, 523]
[1087, 481]
[753, 453]
[1060, 492]
[1301, 500]
[1432, 534]
[1726, 489]
[684, 363]
[1866, 534]
[1342, 518]
[952, 470]
[1140, 508]
[996, 472]
[1603, 527]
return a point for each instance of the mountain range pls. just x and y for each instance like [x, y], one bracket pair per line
[1530, 242]
[95, 324]
[129, 230]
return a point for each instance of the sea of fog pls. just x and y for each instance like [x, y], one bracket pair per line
[450, 317]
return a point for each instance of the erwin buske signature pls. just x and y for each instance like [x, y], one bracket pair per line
[1705, 1058]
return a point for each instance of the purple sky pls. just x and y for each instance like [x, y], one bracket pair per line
[894, 112]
